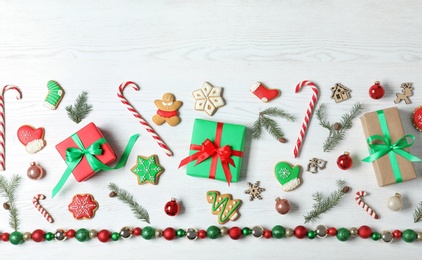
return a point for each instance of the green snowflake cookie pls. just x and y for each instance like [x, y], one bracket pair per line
[147, 169]
[287, 175]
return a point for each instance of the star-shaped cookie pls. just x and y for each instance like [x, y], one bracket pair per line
[147, 169]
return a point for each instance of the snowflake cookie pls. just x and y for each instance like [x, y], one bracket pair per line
[147, 169]
[208, 98]
[83, 206]
[287, 175]
[254, 191]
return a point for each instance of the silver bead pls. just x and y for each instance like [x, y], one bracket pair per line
[224, 231]
[321, 231]
[387, 236]
[60, 235]
[93, 233]
[158, 233]
[289, 232]
[353, 232]
[192, 233]
[26, 236]
[257, 231]
[126, 232]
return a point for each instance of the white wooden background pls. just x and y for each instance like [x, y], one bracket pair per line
[174, 46]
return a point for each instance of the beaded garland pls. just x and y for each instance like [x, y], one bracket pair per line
[213, 232]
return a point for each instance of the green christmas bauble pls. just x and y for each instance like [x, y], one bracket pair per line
[213, 232]
[148, 233]
[246, 231]
[49, 236]
[115, 236]
[16, 238]
[376, 236]
[408, 235]
[82, 235]
[343, 234]
[278, 231]
[311, 234]
[180, 233]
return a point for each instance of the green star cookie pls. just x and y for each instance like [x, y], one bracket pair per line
[147, 169]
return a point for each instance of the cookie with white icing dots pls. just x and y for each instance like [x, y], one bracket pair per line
[31, 138]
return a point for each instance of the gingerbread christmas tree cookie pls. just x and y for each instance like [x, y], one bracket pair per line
[147, 169]
[287, 175]
[224, 206]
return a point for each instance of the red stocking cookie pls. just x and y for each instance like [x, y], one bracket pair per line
[32, 138]
[263, 93]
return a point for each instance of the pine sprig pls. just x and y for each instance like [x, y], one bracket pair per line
[336, 135]
[269, 124]
[7, 190]
[417, 215]
[322, 204]
[127, 198]
[78, 111]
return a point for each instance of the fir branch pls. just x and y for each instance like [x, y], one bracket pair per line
[127, 198]
[256, 129]
[272, 127]
[269, 124]
[322, 204]
[278, 112]
[7, 190]
[335, 135]
[78, 111]
[417, 216]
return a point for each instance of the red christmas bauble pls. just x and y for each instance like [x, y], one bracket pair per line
[172, 208]
[38, 235]
[137, 231]
[344, 161]
[267, 234]
[169, 233]
[70, 233]
[235, 233]
[376, 91]
[364, 232]
[282, 206]
[202, 234]
[104, 235]
[5, 237]
[332, 231]
[300, 232]
[397, 234]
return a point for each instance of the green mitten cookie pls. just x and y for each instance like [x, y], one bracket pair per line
[287, 176]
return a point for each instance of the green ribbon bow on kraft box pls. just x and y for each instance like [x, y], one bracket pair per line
[389, 147]
[216, 151]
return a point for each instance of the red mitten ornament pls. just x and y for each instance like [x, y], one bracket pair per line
[32, 138]
[264, 93]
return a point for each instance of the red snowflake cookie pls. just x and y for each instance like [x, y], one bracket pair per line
[83, 206]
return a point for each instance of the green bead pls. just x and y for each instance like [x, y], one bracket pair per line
[213, 232]
[180, 233]
[246, 231]
[115, 236]
[16, 238]
[82, 235]
[343, 234]
[311, 234]
[409, 235]
[49, 236]
[278, 231]
[148, 233]
[376, 236]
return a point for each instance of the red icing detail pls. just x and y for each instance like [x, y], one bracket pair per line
[83, 206]
[263, 93]
[300, 232]
[365, 232]
[167, 114]
[417, 118]
[235, 233]
[27, 134]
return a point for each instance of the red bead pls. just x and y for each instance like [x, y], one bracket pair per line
[332, 231]
[300, 232]
[70, 233]
[344, 161]
[5, 237]
[202, 233]
[169, 233]
[397, 234]
[267, 234]
[104, 235]
[364, 232]
[137, 231]
[235, 233]
[376, 91]
[38, 235]
[172, 208]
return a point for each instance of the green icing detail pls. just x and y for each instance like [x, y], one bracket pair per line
[215, 205]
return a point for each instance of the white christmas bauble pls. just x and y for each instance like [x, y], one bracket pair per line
[395, 203]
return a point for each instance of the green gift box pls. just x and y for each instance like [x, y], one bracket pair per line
[216, 151]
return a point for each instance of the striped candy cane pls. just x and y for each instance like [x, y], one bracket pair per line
[308, 113]
[365, 206]
[2, 120]
[139, 117]
[40, 208]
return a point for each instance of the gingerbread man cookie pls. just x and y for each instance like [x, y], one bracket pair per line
[167, 110]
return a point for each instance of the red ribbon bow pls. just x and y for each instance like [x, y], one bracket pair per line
[209, 149]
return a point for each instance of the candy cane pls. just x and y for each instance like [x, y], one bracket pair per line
[40, 208]
[2, 120]
[365, 206]
[139, 117]
[308, 113]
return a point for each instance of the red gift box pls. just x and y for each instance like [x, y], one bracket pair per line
[88, 135]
